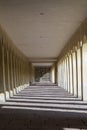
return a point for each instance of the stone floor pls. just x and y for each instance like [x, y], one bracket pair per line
[43, 107]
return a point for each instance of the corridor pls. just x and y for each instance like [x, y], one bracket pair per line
[43, 65]
[43, 107]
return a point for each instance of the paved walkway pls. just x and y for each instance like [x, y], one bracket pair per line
[43, 107]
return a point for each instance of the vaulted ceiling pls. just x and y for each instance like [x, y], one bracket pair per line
[41, 28]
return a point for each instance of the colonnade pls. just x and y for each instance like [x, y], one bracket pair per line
[70, 70]
[14, 68]
[72, 64]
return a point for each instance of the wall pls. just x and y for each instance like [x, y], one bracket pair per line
[72, 63]
[14, 66]
[42, 74]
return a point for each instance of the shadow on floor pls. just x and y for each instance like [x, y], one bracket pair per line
[25, 111]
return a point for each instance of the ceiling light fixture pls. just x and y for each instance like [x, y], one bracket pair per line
[41, 13]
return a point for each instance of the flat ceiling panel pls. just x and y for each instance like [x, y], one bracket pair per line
[41, 28]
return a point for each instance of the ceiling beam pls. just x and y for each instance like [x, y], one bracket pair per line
[43, 60]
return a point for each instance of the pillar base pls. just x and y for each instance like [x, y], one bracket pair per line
[2, 97]
[11, 93]
[7, 95]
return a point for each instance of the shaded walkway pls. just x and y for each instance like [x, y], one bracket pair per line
[43, 107]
